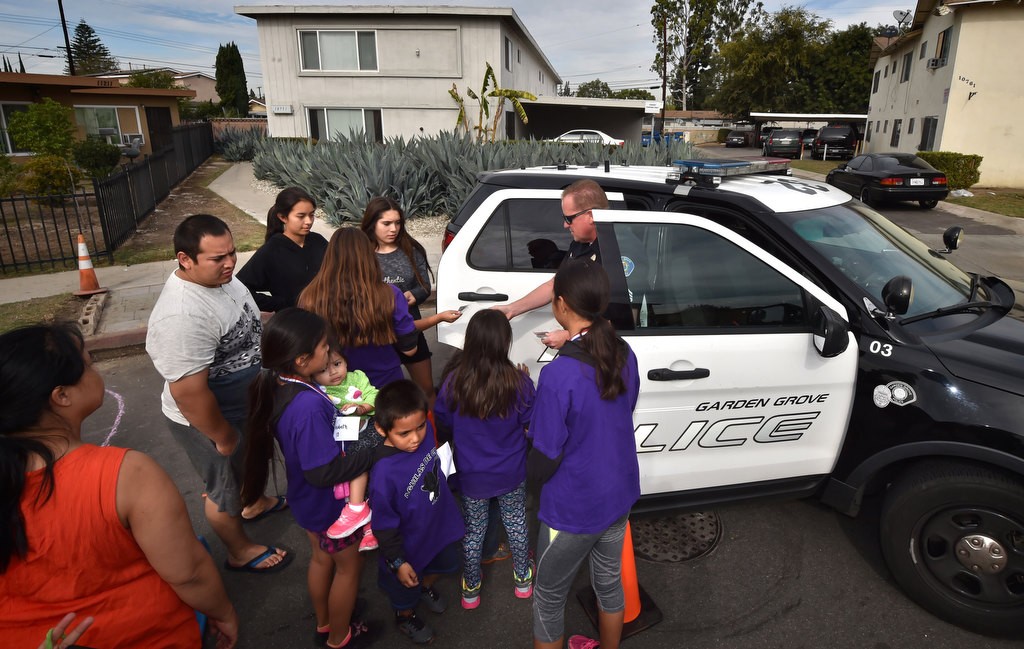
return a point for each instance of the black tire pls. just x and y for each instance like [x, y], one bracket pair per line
[927, 205]
[865, 196]
[927, 517]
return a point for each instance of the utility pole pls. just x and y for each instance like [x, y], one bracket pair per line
[664, 70]
[67, 41]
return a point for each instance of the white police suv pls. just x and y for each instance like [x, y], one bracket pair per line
[791, 341]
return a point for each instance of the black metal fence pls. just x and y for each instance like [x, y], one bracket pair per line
[41, 232]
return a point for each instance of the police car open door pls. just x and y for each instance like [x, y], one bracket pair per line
[733, 388]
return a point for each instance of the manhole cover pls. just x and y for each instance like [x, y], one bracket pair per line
[671, 539]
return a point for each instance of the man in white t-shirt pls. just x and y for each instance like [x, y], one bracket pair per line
[204, 340]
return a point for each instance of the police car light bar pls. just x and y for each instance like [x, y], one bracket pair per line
[711, 172]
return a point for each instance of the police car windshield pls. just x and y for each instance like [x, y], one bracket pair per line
[870, 250]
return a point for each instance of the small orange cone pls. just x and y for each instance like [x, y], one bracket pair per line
[88, 284]
[630, 585]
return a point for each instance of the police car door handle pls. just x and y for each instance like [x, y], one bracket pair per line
[483, 297]
[665, 374]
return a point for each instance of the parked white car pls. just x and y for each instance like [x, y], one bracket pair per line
[584, 136]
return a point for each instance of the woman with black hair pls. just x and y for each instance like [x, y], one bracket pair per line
[584, 457]
[91, 529]
[290, 255]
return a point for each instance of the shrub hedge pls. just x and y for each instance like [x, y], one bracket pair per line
[96, 157]
[962, 169]
[426, 175]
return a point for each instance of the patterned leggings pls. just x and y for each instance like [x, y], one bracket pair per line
[513, 516]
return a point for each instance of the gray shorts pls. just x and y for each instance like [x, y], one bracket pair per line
[221, 475]
[559, 556]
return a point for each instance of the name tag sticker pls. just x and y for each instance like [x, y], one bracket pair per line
[346, 429]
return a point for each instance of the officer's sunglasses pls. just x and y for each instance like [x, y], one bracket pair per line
[570, 217]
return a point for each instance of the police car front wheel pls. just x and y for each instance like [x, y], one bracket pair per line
[952, 535]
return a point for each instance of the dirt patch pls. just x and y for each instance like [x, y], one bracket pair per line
[153, 241]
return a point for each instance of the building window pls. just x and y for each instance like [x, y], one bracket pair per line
[868, 135]
[118, 125]
[894, 67]
[540, 76]
[874, 86]
[910, 127]
[519, 55]
[905, 76]
[508, 54]
[942, 44]
[897, 124]
[885, 126]
[885, 71]
[928, 127]
[6, 144]
[332, 123]
[924, 50]
[338, 51]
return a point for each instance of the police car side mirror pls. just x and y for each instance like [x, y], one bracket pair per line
[831, 333]
[897, 294]
[951, 238]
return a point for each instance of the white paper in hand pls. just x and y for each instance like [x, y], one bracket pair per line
[447, 460]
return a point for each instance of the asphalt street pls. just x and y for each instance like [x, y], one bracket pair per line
[783, 574]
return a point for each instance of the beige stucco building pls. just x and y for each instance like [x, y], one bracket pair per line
[953, 82]
[388, 70]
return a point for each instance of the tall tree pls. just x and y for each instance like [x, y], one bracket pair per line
[688, 34]
[91, 56]
[771, 65]
[231, 85]
[632, 93]
[597, 89]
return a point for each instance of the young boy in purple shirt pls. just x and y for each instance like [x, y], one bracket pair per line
[416, 518]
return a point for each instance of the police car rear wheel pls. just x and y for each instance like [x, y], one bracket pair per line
[953, 537]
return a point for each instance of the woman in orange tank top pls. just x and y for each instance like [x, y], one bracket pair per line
[95, 530]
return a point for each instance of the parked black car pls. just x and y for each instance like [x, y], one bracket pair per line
[876, 177]
[835, 142]
[738, 138]
[783, 142]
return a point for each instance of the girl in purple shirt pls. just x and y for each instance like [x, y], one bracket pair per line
[585, 458]
[484, 406]
[370, 319]
[286, 404]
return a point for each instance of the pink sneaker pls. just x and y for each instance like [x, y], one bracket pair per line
[369, 542]
[349, 521]
[583, 642]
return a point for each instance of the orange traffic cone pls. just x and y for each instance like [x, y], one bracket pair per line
[630, 585]
[88, 284]
[641, 612]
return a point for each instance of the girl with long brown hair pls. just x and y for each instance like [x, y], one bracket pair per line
[403, 262]
[368, 318]
[484, 405]
[582, 432]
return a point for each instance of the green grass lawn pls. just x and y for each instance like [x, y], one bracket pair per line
[1009, 202]
[40, 309]
[816, 166]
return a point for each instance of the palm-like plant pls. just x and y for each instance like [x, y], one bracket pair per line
[486, 131]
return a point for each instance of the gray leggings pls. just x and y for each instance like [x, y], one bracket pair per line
[559, 555]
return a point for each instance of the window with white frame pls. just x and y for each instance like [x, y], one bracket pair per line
[508, 54]
[330, 123]
[337, 50]
[99, 123]
[7, 145]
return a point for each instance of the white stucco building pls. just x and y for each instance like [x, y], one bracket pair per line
[952, 82]
[388, 70]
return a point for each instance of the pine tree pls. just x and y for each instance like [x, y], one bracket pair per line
[90, 55]
[231, 85]
[21, 64]
[7, 65]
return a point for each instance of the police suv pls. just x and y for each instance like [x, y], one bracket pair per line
[791, 341]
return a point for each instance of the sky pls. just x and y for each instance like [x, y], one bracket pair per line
[613, 43]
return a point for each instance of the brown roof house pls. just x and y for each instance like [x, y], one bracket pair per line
[103, 108]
